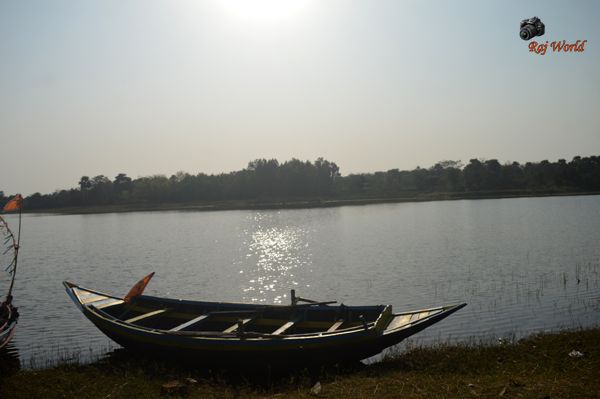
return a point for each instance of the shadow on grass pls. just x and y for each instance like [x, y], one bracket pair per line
[259, 376]
[9, 360]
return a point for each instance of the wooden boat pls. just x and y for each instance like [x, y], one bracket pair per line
[10, 255]
[8, 322]
[305, 332]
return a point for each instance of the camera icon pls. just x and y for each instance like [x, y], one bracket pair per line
[531, 28]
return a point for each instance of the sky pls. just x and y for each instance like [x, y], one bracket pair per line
[148, 87]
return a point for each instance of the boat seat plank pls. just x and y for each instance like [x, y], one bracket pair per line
[234, 327]
[336, 325]
[286, 326]
[107, 303]
[87, 299]
[145, 316]
[189, 323]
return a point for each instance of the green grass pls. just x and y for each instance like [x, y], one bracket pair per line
[537, 367]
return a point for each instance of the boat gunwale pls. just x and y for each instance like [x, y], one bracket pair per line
[215, 334]
[9, 326]
[7, 329]
[370, 328]
[9, 318]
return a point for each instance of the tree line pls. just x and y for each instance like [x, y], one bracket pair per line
[268, 179]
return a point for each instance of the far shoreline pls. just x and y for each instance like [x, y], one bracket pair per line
[282, 204]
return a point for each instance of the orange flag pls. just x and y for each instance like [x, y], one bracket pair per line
[138, 288]
[14, 204]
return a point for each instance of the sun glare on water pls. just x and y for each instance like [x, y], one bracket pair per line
[264, 11]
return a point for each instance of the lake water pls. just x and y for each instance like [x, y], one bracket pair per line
[523, 265]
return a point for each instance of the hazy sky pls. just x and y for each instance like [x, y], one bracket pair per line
[146, 87]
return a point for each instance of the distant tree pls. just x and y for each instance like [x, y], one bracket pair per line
[85, 183]
[512, 176]
[122, 185]
[587, 171]
[422, 179]
[101, 192]
[474, 175]
[445, 176]
[327, 172]
[392, 182]
[100, 179]
[492, 175]
[35, 201]
[153, 189]
[121, 179]
[352, 185]
[267, 178]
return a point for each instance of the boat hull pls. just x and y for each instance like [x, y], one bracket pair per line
[8, 327]
[242, 351]
[235, 350]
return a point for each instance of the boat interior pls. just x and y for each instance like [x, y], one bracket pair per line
[188, 317]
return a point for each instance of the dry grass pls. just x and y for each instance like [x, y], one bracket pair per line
[538, 367]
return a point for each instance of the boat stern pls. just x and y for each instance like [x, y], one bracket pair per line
[403, 325]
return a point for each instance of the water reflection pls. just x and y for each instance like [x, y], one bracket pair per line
[274, 255]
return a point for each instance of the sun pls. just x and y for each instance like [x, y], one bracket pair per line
[264, 11]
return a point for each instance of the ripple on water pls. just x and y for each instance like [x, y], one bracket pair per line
[522, 265]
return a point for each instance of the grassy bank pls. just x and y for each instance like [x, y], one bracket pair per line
[302, 203]
[537, 367]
